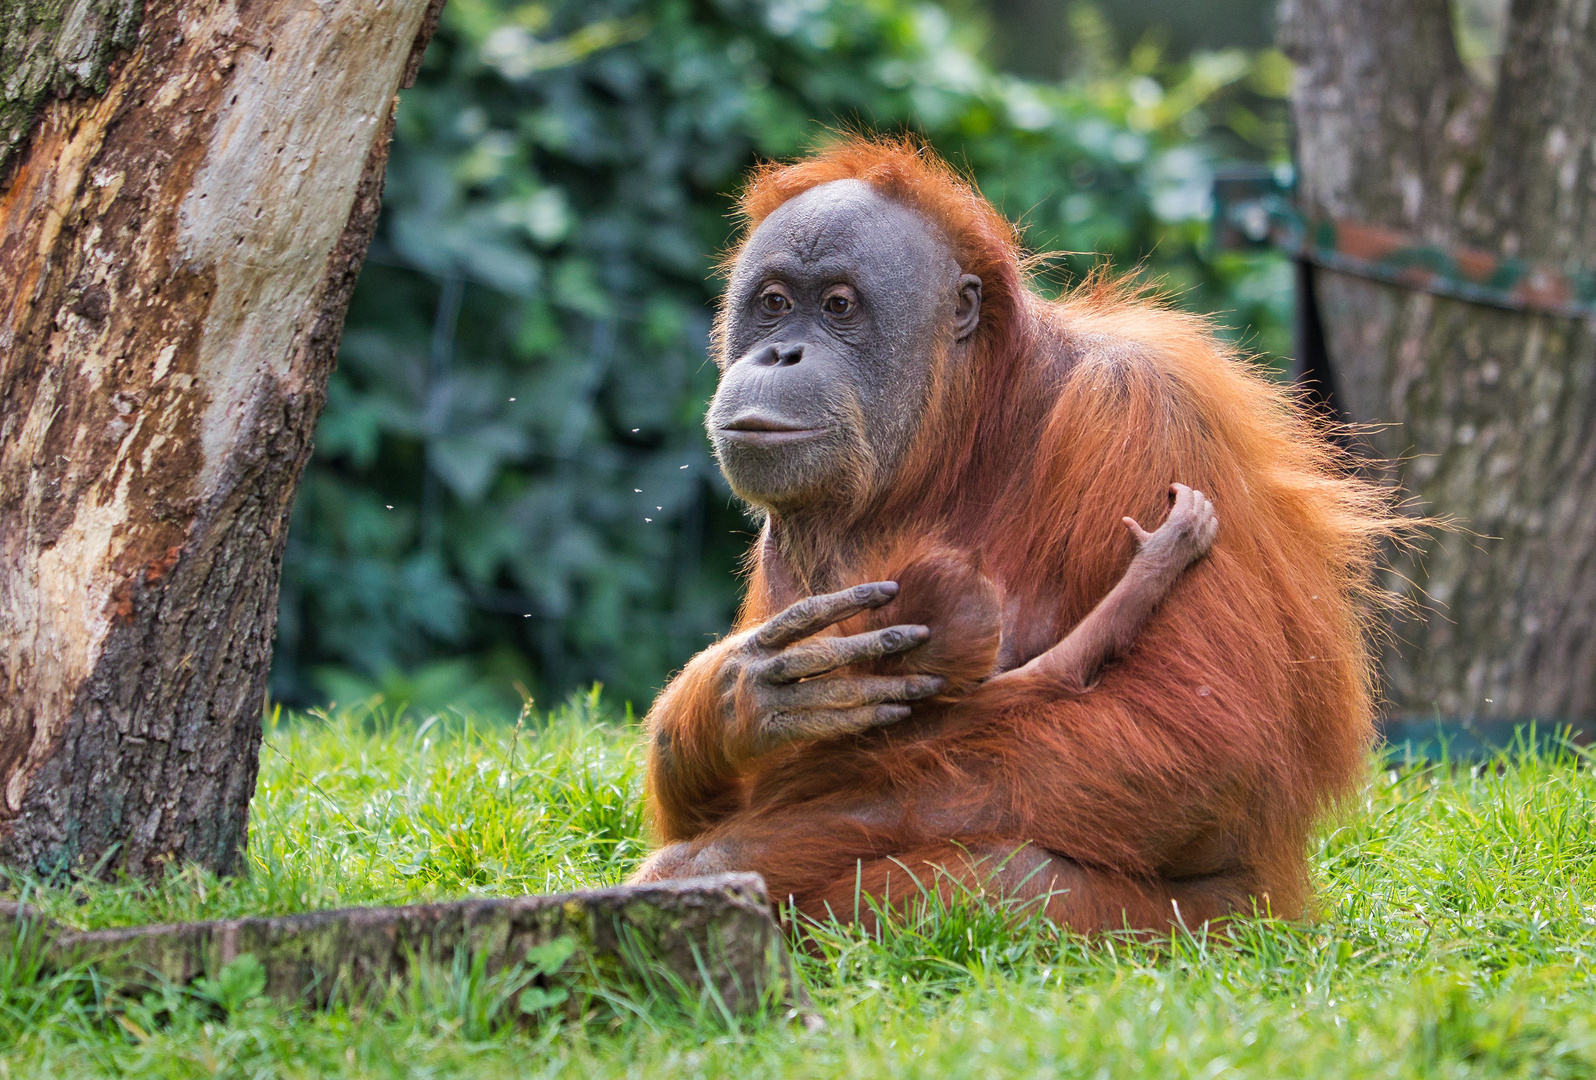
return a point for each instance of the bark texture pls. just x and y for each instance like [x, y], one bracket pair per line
[55, 47]
[179, 253]
[1486, 417]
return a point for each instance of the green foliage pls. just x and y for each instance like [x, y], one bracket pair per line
[237, 984]
[544, 960]
[511, 469]
[1455, 937]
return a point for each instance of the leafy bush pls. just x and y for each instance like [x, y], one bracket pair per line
[511, 471]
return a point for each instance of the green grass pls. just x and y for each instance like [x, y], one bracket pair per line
[1455, 936]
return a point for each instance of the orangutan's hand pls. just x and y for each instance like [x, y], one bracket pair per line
[1184, 537]
[780, 682]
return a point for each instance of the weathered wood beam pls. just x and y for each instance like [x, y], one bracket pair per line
[713, 932]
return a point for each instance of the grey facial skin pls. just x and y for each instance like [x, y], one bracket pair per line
[836, 309]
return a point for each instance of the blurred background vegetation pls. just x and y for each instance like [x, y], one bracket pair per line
[511, 483]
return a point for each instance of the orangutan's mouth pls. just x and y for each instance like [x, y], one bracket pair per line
[762, 429]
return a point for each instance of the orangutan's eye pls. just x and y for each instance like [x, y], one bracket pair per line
[774, 302]
[840, 304]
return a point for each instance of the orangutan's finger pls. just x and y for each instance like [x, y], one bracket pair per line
[814, 613]
[821, 655]
[842, 692]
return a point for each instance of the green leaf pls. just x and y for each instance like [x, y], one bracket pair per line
[536, 999]
[235, 985]
[549, 957]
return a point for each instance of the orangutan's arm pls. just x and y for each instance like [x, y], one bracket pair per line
[1111, 628]
[759, 690]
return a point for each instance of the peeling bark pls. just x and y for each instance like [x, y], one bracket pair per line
[55, 47]
[180, 251]
[1487, 417]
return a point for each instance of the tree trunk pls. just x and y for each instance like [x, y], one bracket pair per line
[179, 242]
[1486, 417]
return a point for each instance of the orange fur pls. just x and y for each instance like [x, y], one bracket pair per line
[1204, 755]
[945, 590]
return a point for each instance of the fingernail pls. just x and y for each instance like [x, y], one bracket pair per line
[919, 633]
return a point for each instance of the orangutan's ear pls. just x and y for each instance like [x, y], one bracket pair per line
[967, 311]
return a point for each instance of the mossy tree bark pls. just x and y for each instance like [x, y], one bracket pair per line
[181, 224]
[1487, 417]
